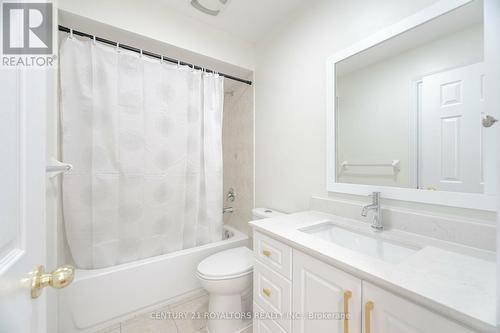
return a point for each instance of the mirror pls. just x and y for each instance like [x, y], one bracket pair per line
[410, 111]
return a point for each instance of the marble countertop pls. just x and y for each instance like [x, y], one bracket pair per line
[456, 281]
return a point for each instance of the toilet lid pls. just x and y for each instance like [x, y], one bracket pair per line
[232, 262]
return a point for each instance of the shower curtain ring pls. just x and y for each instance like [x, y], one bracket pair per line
[178, 64]
[71, 33]
[117, 47]
[94, 39]
[140, 53]
[161, 59]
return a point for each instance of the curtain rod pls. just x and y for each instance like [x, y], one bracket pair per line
[149, 54]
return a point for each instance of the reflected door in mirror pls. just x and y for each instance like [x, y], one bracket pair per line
[451, 131]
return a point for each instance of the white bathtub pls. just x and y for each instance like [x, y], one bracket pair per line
[103, 297]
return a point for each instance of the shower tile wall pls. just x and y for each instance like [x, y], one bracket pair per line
[237, 141]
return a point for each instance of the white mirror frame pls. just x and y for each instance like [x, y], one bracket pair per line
[454, 199]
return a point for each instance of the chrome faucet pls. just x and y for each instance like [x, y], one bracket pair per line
[377, 216]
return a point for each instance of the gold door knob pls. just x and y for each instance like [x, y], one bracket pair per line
[60, 278]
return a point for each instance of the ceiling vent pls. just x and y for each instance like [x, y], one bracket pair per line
[210, 7]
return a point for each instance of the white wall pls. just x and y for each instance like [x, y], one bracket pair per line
[155, 20]
[377, 103]
[291, 93]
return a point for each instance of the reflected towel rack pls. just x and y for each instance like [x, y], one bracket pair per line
[56, 167]
[395, 164]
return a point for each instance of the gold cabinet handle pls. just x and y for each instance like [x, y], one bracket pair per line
[347, 296]
[60, 278]
[368, 311]
[266, 291]
[267, 253]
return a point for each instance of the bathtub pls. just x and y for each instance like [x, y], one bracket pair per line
[103, 297]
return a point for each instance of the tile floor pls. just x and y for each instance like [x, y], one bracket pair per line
[168, 320]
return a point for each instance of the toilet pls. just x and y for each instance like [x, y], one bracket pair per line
[227, 276]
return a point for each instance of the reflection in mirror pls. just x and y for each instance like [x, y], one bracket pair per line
[409, 111]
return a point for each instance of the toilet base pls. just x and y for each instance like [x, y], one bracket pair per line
[226, 314]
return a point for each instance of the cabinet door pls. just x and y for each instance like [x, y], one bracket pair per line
[385, 312]
[320, 293]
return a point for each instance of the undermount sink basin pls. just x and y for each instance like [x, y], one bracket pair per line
[369, 245]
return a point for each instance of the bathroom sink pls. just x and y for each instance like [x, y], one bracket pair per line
[369, 245]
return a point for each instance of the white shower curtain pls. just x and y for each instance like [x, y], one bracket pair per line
[145, 141]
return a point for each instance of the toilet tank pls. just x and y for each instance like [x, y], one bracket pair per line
[264, 213]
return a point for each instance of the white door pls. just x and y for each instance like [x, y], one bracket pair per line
[319, 288]
[452, 136]
[384, 312]
[22, 192]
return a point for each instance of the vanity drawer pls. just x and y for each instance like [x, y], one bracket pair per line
[264, 324]
[273, 293]
[274, 254]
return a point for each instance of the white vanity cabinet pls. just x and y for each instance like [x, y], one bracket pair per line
[326, 293]
[288, 283]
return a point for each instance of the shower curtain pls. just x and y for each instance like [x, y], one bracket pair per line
[145, 142]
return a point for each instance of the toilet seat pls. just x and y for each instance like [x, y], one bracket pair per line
[229, 277]
[228, 264]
